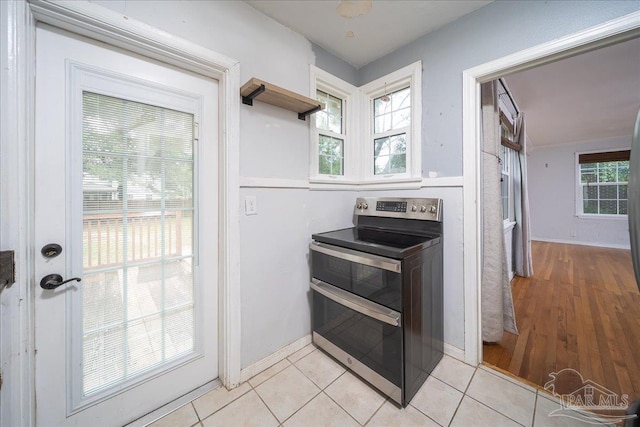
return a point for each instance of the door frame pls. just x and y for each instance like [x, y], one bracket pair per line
[17, 186]
[607, 33]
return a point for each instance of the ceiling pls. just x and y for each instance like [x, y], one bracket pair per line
[592, 96]
[386, 26]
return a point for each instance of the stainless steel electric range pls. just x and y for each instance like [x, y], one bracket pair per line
[377, 293]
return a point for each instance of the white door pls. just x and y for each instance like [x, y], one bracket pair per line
[126, 183]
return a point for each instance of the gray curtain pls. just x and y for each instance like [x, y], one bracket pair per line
[522, 230]
[497, 302]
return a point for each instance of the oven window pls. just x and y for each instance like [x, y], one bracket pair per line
[374, 343]
[375, 284]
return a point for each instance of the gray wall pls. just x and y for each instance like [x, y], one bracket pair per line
[496, 30]
[552, 197]
[335, 65]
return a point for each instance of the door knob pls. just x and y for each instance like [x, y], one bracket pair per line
[52, 281]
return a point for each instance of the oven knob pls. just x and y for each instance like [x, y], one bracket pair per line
[359, 206]
[365, 206]
[433, 209]
[423, 208]
[414, 208]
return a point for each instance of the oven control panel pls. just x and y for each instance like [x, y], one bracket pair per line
[408, 208]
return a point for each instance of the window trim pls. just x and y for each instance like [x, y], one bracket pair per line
[579, 206]
[326, 82]
[510, 161]
[358, 122]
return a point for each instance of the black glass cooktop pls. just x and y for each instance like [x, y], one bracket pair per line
[378, 242]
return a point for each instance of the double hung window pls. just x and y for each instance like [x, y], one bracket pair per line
[603, 178]
[331, 135]
[506, 183]
[367, 135]
[391, 123]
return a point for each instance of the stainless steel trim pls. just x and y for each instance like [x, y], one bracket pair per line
[432, 208]
[358, 257]
[357, 303]
[368, 374]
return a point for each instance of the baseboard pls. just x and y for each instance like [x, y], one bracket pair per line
[575, 242]
[453, 351]
[255, 368]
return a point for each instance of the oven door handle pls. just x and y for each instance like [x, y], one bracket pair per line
[357, 303]
[358, 257]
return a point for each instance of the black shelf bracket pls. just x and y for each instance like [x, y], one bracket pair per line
[303, 116]
[248, 100]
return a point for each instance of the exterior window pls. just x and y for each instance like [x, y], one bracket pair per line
[330, 125]
[603, 187]
[507, 159]
[505, 181]
[391, 120]
[369, 135]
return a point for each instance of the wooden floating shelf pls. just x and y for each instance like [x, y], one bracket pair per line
[283, 98]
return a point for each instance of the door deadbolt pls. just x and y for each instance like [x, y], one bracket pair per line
[51, 250]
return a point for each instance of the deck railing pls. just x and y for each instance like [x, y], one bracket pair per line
[144, 236]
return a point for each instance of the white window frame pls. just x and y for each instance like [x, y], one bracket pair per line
[358, 126]
[321, 80]
[507, 165]
[409, 76]
[579, 193]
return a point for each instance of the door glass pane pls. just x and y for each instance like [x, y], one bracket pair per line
[138, 228]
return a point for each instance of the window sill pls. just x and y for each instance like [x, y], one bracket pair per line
[389, 184]
[600, 217]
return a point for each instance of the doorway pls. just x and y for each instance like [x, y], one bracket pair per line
[125, 169]
[580, 305]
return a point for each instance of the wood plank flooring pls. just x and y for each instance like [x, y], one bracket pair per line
[580, 310]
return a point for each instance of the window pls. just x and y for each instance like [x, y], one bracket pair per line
[369, 134]
[603, 179]
[330, 135]
[391, 143]
[391, 120]
[505, 183]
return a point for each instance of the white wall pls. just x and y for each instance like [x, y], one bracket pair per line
[552, 198]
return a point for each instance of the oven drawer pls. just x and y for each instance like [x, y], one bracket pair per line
[373, 277]
[365, 337]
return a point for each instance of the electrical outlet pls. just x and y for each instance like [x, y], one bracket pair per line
[250, 205]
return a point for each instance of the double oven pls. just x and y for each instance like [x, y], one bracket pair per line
[378, 293]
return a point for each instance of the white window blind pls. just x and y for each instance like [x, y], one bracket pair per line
[138, 235]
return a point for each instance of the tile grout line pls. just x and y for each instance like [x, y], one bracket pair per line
[535, 393]
[509, 379]
[338, 403]
[265, 403]
[340, 406]
[376, 411]
[194, 408]
[535, 406]
[464, 393]
[495, 410]
[427, 415]
[223, 406]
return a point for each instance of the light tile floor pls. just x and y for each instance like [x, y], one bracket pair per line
[310, 389]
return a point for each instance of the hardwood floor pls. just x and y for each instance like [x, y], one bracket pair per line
[580, 310]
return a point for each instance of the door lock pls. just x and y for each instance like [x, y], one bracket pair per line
[51, 250]
[52, 281]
